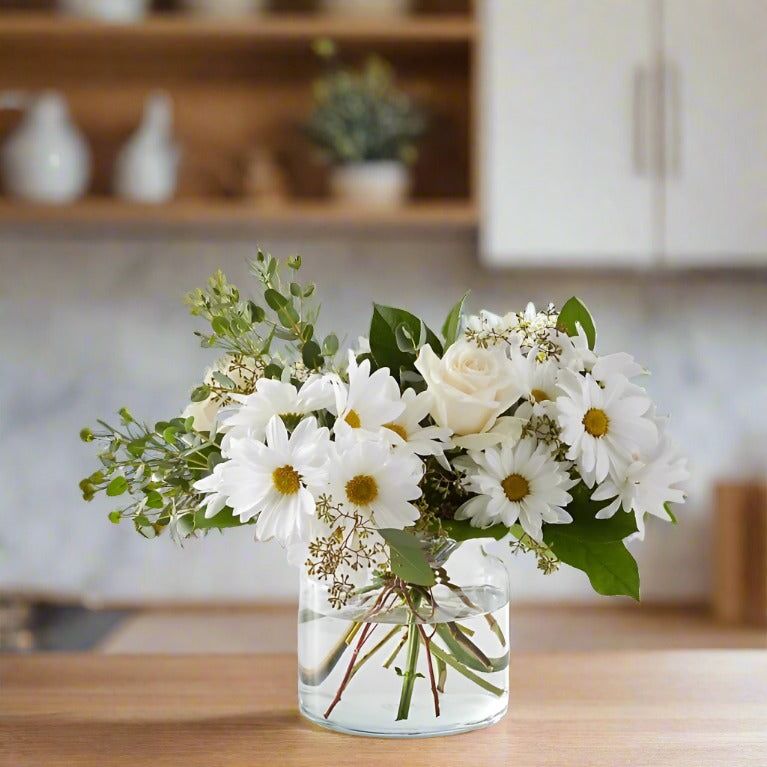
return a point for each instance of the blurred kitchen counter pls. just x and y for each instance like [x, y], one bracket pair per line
[687, 709]
[547, 628]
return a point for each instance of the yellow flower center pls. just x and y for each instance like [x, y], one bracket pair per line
[362, 490]
[397, 429]
[286, 480]
[539, 395]
[596, 422]
[353, 419]
[516, 487]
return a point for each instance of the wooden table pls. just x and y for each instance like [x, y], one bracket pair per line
[648, 709]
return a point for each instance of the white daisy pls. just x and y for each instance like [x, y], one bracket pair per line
[215, 488]
[368, 402]
[603, 425]
[276, 481]
[521, 483]
[538, 382]
[577, 356]
[370, 478]
[406, 430]
[274, 398]
[646, 485]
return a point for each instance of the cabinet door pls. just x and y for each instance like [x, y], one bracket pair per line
[567, 170]
[716, 131]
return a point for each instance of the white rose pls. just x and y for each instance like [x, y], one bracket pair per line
[470, 387]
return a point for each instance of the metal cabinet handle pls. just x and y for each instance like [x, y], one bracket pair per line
[672, 126]
[641, 93]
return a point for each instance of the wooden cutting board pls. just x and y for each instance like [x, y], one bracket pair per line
[681, 709]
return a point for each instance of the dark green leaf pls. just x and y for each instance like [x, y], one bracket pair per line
[223, 519]
[288, 316]
[257, 314]
[408, 560]
[575, 313]
[201, 393]
[452, 325]
[295, 290]
[609, 566]
[272, 370]
[117, 486]
[312, 355]
[275, 300]
[587, 527]
[461, 530]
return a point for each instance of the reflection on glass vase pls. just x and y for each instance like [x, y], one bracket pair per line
[403, 660]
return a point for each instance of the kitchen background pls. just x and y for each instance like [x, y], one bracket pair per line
[615, 151]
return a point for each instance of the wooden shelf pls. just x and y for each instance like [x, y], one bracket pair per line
[423, 215]
[37, 27]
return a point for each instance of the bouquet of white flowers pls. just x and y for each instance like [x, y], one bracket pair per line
[370, 466]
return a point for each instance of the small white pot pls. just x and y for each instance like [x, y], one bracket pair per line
[229, 9]
[380, 184]
[116, 11]
[366, 7]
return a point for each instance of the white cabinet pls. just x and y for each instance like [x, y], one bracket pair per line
[716, 131]
[624, 132]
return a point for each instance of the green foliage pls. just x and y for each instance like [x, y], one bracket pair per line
[396, 336]
[596, 546]
[462, 530]
[362, 116]
[575, 313]
[452, 325]
[408, 560]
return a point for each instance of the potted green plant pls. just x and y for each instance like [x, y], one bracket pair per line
[367, 128]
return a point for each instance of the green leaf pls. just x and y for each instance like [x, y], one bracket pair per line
[575, 313]
[275, 300]
[223, 380]
[330, 344]
[461, 530]
[609, 566]
[408, 560]
[257, 314]
[296, 290]
[273, 370]
[311, 354]
[201, 393]
[452, 325]
[384, 348]
[117, 486]
[587, 527]
[223, 519]
[220, 326]
[154, 500]
[115, 517]
[169, 434]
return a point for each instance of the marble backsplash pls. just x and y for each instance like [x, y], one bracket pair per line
[89, 324]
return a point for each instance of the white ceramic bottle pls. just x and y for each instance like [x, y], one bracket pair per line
[147, 166]
[46, 158]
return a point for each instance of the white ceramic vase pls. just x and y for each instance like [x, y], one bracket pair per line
[379, 184]
[115, 11]
[364, 8]
[147, 166]
[46, 158]
[225, 8]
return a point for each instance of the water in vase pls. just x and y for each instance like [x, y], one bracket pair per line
[352, 665]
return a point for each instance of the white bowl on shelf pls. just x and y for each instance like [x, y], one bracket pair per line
[228, 9]
[115, 11]
[366, 8]
[380, 185]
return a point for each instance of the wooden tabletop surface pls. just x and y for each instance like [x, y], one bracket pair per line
[679, 708]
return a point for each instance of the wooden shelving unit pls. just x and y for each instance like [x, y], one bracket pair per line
[237, 85]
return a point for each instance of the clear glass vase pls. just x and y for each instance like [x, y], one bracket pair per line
[401, 660]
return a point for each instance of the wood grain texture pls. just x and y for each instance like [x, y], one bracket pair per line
[686, 709]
